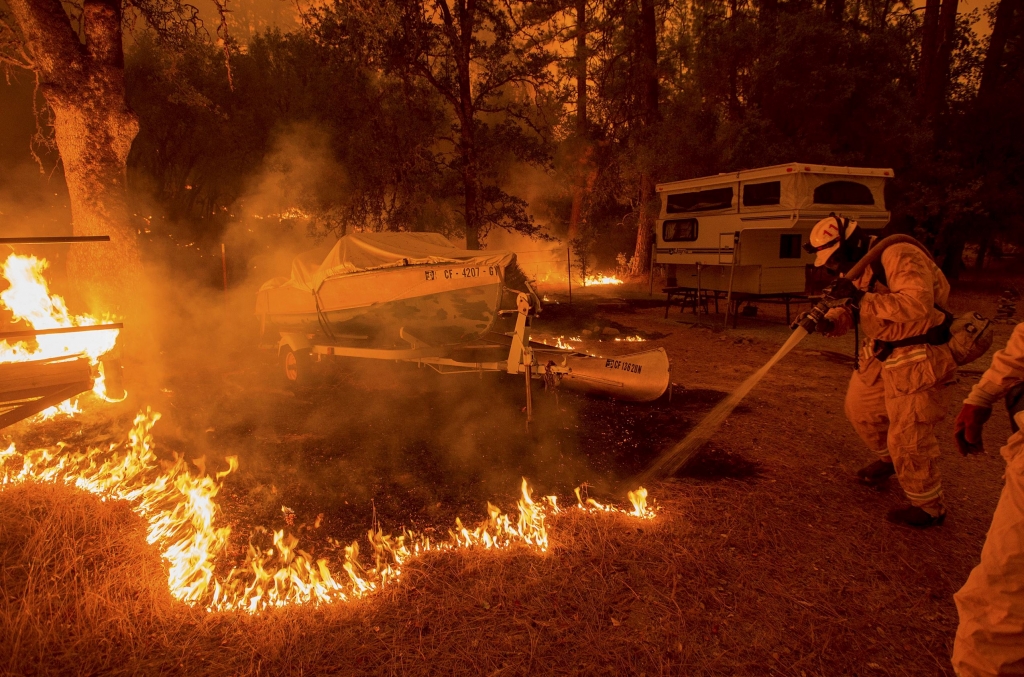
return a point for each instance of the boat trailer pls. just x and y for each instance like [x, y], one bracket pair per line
[638, 377]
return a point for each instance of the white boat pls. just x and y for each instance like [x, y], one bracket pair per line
[373, 286]
[414, 297]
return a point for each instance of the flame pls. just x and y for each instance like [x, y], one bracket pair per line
[286, 215]
[66, 408]
[631, 339]
[178, 505]
[29, 300]
[591, 280]
[638, 498]
[562, 344]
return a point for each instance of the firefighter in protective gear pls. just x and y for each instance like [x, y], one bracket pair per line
[896, 395]
[990, 639]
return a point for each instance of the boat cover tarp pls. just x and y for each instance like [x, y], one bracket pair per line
[361, 252]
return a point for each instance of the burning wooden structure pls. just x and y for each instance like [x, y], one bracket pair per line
[71, 355]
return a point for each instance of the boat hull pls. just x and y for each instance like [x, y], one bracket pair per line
[438, 304]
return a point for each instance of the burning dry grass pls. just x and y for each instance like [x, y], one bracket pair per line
[178, 505]
[718, 584]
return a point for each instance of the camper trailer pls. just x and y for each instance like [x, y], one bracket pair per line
[743, 231]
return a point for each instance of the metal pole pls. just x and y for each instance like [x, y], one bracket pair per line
[54, 240]
[732, 274]
[568, 268]
[654, 253]
[696, 301]
[60, 330]
[529, 395]
[224, 268]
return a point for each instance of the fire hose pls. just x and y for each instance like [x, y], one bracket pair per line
[817, 313]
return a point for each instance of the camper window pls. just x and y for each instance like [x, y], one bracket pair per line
[789, 246]
[701, 201]
[843, 193]
[679, 230]
[761, 194]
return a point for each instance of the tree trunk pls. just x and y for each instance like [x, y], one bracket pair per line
[584, 175]
[939, 80]
[469, 187]
[645, 226]
[467, 120]
[734, 67]
[649, 61]
[992, 68]
[953, 261]
[585, 180]
[929, 41]
[649, 101]
[94, 128]
[979, 262]
[581, 68]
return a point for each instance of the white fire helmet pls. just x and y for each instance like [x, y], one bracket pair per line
[825, 238]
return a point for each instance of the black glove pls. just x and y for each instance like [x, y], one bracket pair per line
[843, 288]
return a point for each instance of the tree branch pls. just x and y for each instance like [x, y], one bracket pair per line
[101, 23]
[48, 35]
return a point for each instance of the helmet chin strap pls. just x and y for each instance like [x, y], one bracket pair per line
[842, 223]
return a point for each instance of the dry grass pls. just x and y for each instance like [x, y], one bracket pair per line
[718, 584]
[790, 571]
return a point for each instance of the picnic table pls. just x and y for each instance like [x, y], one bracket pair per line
[700, 298]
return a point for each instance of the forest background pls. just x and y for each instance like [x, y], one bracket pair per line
[476, 118]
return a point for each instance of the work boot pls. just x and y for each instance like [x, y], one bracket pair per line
[912, 516]
[876, 473]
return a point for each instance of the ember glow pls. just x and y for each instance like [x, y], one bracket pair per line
[29, 300]
[177, 501]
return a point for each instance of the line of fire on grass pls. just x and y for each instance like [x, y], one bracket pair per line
[178, 505]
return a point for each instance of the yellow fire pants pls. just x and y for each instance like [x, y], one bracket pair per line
[990, 639]
[894, 407]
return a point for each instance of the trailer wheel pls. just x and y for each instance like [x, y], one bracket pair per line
[296, 368]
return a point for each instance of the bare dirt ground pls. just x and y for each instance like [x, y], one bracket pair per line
[766, 558]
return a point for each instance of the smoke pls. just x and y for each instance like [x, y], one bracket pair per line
[376, 438]
[292, 204]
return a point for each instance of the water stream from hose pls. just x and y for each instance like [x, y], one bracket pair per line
[676, 457]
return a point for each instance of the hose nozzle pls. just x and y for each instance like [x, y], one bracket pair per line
[811, 318]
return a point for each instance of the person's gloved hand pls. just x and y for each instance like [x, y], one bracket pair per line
[968, 426]
[825, 326]
[844, 288]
